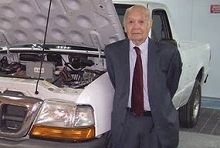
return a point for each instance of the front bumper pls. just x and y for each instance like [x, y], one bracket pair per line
[35, 143]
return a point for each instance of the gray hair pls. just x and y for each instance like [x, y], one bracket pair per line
[147, 12]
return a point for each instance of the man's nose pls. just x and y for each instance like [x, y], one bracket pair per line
[136, 25]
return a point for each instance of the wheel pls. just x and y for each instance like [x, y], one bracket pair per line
[189, 113]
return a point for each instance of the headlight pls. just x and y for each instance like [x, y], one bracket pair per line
[84, 116]
[64, 121]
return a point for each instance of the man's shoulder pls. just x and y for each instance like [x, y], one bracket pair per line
[118, 43]
[164, 46]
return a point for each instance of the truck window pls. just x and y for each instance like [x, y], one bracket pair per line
[161, 28]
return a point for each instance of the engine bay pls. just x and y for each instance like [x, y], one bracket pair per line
[75, 70]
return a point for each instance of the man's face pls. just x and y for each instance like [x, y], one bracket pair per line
[137, 25]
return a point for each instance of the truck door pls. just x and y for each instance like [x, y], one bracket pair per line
[161, 31]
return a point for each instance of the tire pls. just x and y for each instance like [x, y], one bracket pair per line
[189, 113]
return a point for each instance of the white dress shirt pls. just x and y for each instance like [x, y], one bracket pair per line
[144, 56]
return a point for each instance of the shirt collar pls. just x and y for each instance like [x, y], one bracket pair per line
[142, 47]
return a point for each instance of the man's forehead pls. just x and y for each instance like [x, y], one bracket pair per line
[138, 10]
[137, 13]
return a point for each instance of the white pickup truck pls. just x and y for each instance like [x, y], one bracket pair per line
[54, 88]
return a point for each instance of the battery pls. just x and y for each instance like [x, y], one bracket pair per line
[47, 70]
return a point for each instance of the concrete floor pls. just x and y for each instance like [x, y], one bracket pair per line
[206, 134]
[198, 140]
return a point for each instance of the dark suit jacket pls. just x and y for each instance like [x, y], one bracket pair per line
[164, 69]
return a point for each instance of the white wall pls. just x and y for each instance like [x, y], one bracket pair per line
[193, 21]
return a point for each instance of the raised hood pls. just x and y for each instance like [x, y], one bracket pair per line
[86, 23]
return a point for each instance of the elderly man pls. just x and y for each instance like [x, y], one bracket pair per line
[145, 75]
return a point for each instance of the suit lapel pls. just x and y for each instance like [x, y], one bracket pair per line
[125, 69]
[127, 62]
[152, 69]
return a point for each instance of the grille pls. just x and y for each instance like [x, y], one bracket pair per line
[17, 113]
[12, 118]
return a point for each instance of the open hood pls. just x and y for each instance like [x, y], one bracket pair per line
[85, 23]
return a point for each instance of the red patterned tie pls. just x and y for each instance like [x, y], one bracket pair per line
[137, 98]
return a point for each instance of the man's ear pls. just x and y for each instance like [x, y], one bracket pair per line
[125, 30]
[150, 23]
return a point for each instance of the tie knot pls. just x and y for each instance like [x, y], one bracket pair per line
[137, 49]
